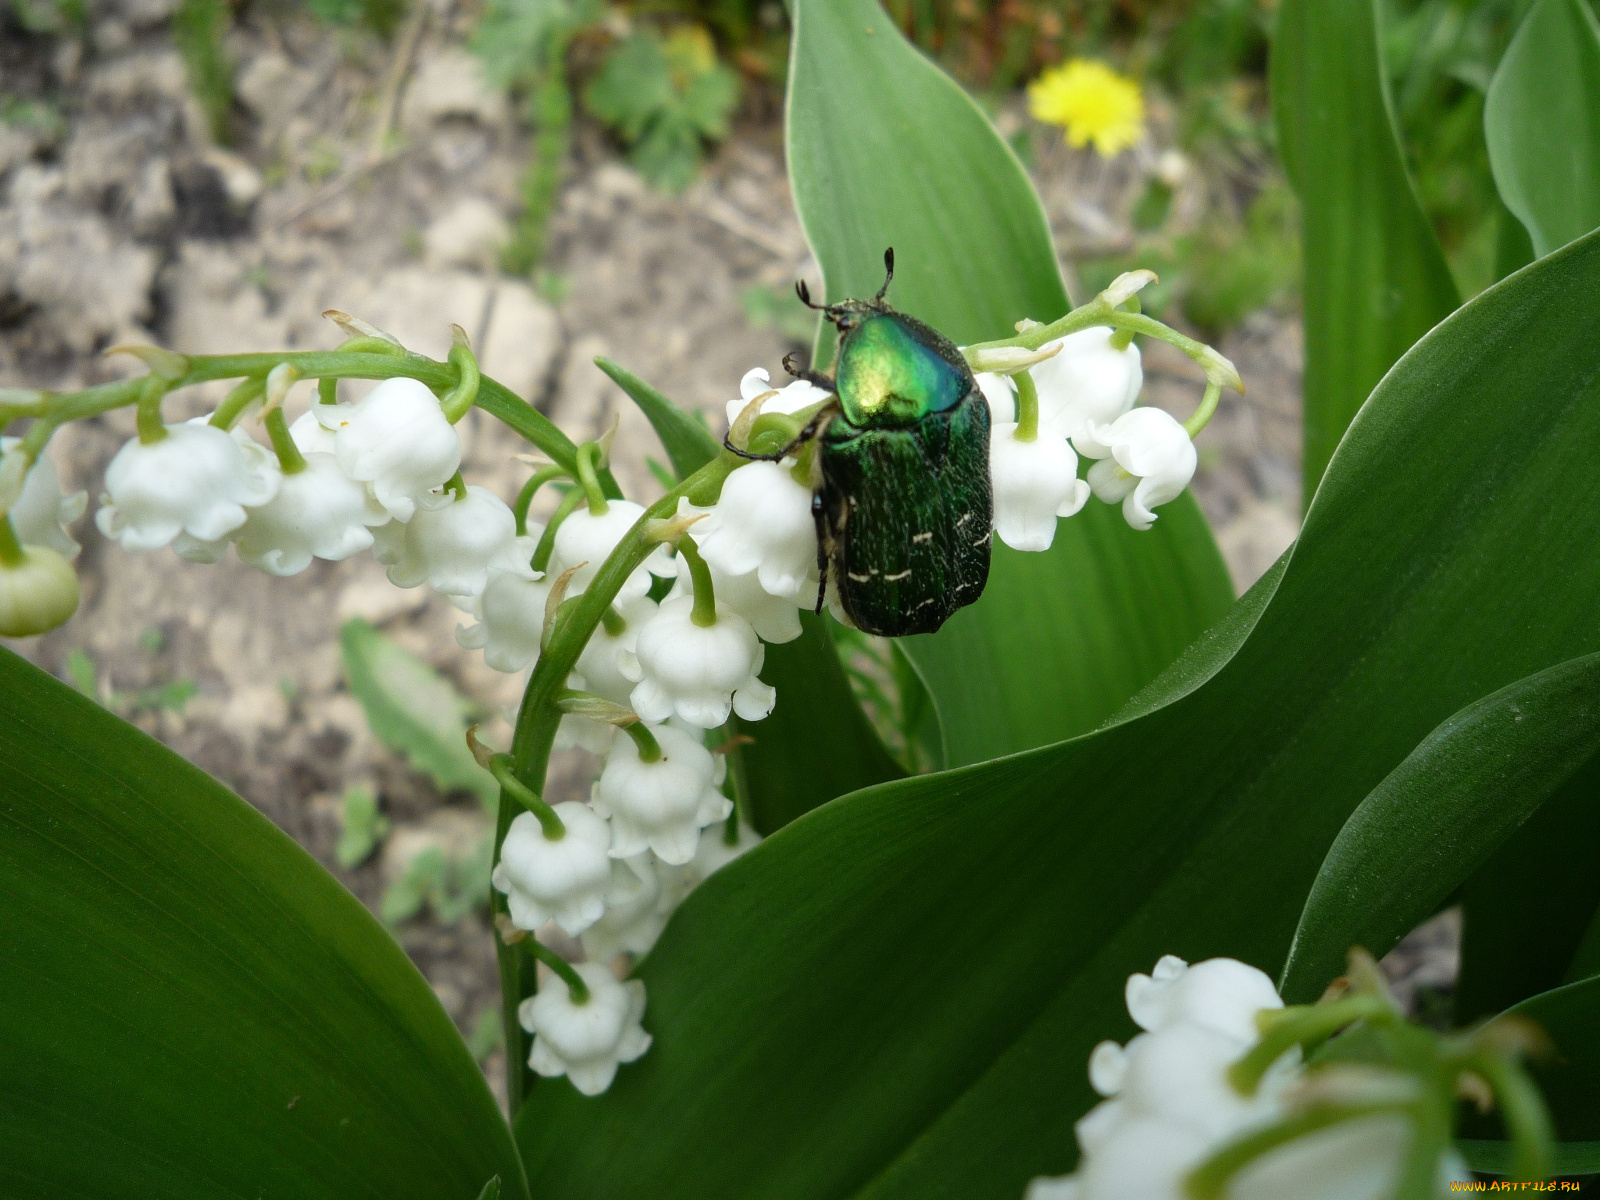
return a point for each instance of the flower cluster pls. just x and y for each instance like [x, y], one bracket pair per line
[1092, 102]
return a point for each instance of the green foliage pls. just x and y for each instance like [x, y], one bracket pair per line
[488, 1034]
[49, 16]
[194, 1007]
[361, 827]
[665, 96]
[198, 28]
[451, 887]
[173, 696]
[380, 16]
[1543, 123]
[414, 711]
[779, 309]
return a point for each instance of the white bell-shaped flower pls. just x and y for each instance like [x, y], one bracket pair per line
[775, 619]
[197, 480]
[1000, 394]
[585, 1042]
[634, 916]
[600, 663]
[562, 880]
[319, 512]
[1088, 381]
[663, 805]
[397, 439]
[1221, 993]
[698, 673]
[510, 614]
[585, 540]
[790, 398]
[311, 436]
[762, 522]
[40, 511]
[36, 594]
[1147, 458]
[1034, 483]
[715, 851]
[1354, 1160]
[452, 547]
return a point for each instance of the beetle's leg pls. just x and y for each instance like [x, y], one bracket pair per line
[888, 266]
[820, 518]
[800, 439]
[816, 378]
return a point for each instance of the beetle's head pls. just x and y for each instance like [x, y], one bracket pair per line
[847, 314]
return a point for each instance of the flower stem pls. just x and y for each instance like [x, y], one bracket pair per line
[588, 456]
[1527, 1119]
[456, 486]
[1298, 1026]
[328, 390]
[151, 428]
[500, 766]
[289, 456]
[1123, 338]
[705, 596]
[458, 402]
[1208, 405]
[615, 624]
[547, 540]
[1210, 1179]
[576, 987]
[246, 393]
[649, 748]
[525, 497]
[11, 551]
[1027, 407]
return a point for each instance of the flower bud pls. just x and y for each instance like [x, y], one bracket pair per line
[585, 1042]
[698, 673]
[600, 663]
[1089, 381]
[585, 541]
[661, 805]
[510, 616]
[36, 594]
[634, 916]
[563, 880]
[1034, 483]
[397, 439]
[40, 510]
[452, 547]
[1147, 458]
[761, 523]
[319, 512]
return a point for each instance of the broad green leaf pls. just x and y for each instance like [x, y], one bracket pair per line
[1570, 1079]
[193, 1007]
[1466, 788]
[896, 995]
[1542, 123]
[1375, 279]
[414, 710]
[688, 443]
[886, 150]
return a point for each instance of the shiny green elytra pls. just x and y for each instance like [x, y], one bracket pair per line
[902, 499]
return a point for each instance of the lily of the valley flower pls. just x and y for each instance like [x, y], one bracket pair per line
[1090, 381]
[510, 614]
[634, 916]
[40, 512]
[775, 619]
[585, 540]
[790, 398]
[452, 547]
[562, 880]
[715, 851]
[37, 593]
[761, 523]
[1147, 458]
[397, 439]
[585, 1042]
[600, 663]
[1034, 483]
[319, 512]
[697, 672]
[198, 480]
[663, 805]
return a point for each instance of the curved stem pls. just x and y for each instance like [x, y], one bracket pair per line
[588, 458]
[328, 390]
[289, 456]
[1208, 405]
[525, 497]
[1123, 338]
[547, 540]
[151, 428]
[1527, 1119]
[236, 401]
[1298, 1026]
[1210, 1179]
[501, 768]
[705, 596]
[649, 748]
[576, 987]
[11, 552]
[461, 397]
[1027, 407]
[456, 486]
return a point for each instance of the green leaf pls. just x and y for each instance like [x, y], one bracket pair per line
[1542, 123]
[361, 827]
[192, 1006]
[1375, 279]
[886, 150]
[924, 966]
[688, 443]
[1570, 1079]
[1494, 1157]
[414, 710]
[1466, 788]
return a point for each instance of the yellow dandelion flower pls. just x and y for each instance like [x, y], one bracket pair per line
[1093, 102]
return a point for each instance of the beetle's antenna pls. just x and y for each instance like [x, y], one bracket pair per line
[888, 266]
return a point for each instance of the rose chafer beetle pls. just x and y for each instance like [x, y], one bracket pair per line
[900, 477]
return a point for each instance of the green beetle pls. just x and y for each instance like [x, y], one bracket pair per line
[901, 493]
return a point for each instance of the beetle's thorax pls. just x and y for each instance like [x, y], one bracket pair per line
[893, 370]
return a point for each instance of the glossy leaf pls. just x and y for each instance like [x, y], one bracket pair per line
[193, 1007]
[1375, 279]
[1570, 1077]
[886, 150]
[896, 995]
[1542, 122]
[688, 443]
[1470, 783]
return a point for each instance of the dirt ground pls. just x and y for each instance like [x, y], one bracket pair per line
[378, 182]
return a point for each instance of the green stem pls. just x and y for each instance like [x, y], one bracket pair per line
[151, 393]
[1430, 1134]
[1208, 405]
[704, 613]
[588, 457]
[1210, 1179]
[1123, 338]
[1027, 407]
[456, 486]
[245, 394]
[11, 551]
[458, 403]
[1299, 1026]
[328, 391]
[547, 540]
[525, 497]
[500, 766]
[289, 456]
[1527, 1119]
[649, 748]
[614, 622]
[578, 989]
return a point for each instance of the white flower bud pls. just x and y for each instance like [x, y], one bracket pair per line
[775, 619]
[1353, 1160]
[1221, 994]
[397, 439]
[1087, 382]
[198, 479]
[790, 398]
[510, 614]
[762, 522]
[634, 916]
[1000, 394]
[586, 539]
[563, 880]
[585, 1042]
[715, 851]
[600, 664]
[1147, 458]
[319, 512]
[452, 547]
[40, 511]
[1034, 483]
[36, 594]
[699, 673]
[661, 805]
[310, 436]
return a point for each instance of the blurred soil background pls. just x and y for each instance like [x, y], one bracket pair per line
[211, 178]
